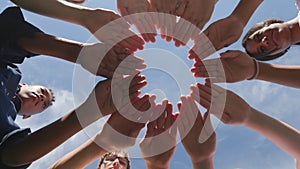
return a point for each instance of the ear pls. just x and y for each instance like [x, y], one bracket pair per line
[26, 116]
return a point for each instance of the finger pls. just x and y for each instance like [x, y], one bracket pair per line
[174, 125]
[202, 48]
[188, 33]
[162, 25]
[139, 24]
[180, 30]
[148, 107]
[161, 119]
[205, 99]
[150, 130]
[151, 27]
[169, 117]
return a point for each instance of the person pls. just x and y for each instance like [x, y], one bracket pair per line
[18, 147]
[223, 32]
[99, 59]
[155, 146]
[159, 143]
[239, 113]
[143, 21]
[271, 39]
[119, 132]
[108, 32]
[116, 159]
[234, 66]
[194, 14]
[197, 134]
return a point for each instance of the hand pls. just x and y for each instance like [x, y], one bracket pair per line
[158, 145]
[111, 95]
[219, 34]
[119, 132]
[142, 21]
[224, 104]
[164, 17]
[197, 134]
[232, 66]
[193, 18]
[102, 60]
[111, 29]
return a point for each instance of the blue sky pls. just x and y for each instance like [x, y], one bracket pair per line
[237, 147]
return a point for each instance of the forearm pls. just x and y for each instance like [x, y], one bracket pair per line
[59, 9]
[245, 9]
[42, 141]
[204, 164]
[80, 157]
[49, 137]
[281, 74]
[44, 44]
[284, 136]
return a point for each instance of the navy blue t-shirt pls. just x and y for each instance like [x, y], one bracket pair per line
[13, 26]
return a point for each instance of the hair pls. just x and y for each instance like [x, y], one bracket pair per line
[53, 97]
[256, 27]
[123, 153]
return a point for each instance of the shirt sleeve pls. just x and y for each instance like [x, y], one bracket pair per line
[11, 138]
[13, 27]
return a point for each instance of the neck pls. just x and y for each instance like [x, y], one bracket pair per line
[295, 30]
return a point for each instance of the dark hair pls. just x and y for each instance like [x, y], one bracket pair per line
[53, 97]
[256, 27]
[122, 153]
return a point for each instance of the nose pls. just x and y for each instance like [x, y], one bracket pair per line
[116, 163]
[265, 41]
[42, 97]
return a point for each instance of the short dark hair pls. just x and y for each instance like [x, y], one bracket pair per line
[256, 27]
[53, 97]
[123, 153]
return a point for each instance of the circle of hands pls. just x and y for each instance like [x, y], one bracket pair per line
[131, 112]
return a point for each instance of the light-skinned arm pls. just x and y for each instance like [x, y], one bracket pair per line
[197, 134]
[193, 18]
[235, 66]
[224, 32]
[237, 112]
[44, 140]
[91, 19]
[125, 131]
[159, 143]
[99, 59]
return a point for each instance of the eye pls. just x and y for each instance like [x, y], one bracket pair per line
[43, 91]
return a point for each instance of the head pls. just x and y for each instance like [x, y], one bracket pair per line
[267, 40]
[35, 99]
[114, 160]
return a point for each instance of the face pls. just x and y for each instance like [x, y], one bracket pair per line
[270, 40]
[35, 99]
[114, 162]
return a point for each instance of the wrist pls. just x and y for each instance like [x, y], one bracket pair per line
[255, 71]
[207, 163]
[251, 117]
